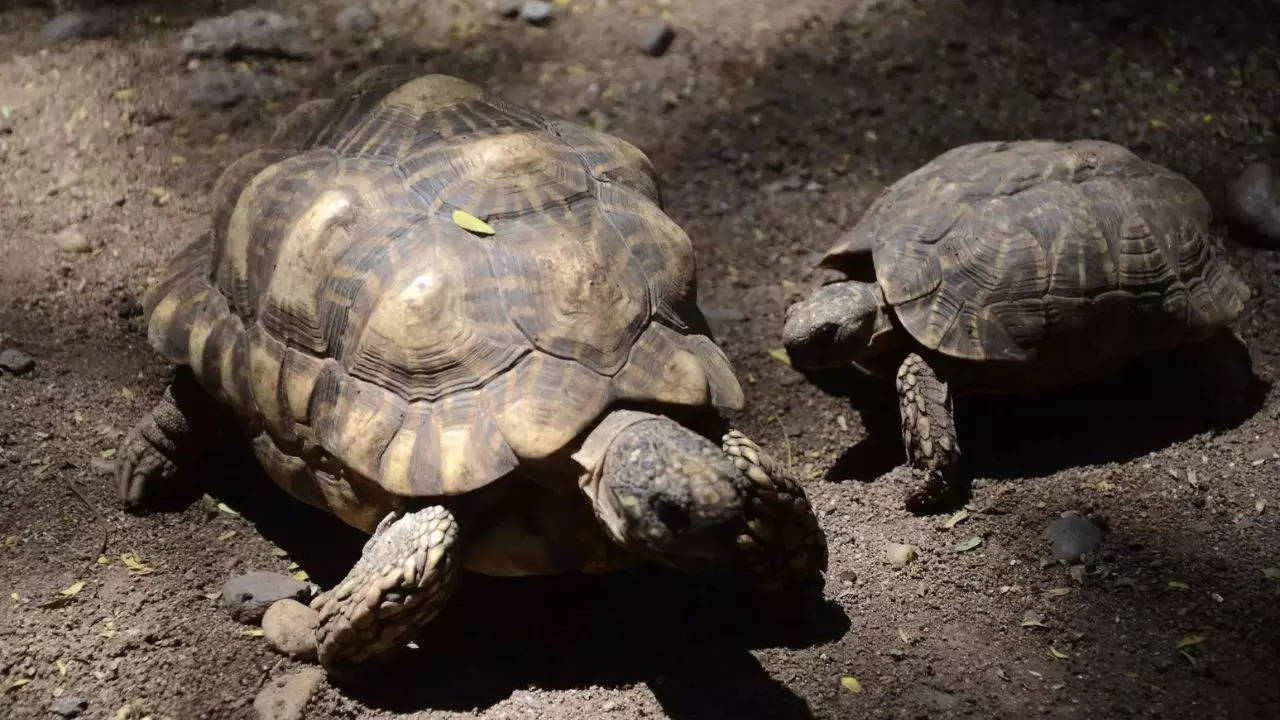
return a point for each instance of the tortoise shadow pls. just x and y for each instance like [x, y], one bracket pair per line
[1159, 399]
[688, 643]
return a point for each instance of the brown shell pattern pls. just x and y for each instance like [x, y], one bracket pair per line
[337, 306]
[1018, 251]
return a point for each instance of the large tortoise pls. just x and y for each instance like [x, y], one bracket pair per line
[533, 396]
[1013, 267]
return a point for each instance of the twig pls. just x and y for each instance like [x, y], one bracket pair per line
[786, 440]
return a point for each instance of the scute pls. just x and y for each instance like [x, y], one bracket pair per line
[1018, 251]
[373, 346]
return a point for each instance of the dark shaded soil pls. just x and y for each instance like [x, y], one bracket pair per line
[754, 102]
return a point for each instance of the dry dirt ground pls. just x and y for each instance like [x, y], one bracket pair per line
[773, 126]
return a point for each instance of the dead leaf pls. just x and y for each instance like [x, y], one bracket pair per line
[301, 576]
[1190, 641]
[968, 544]
[224, 508]
[135, 564]
[17, 684]
[124, 94]
[1271, 573]
[62, 667]
[227, 535]
[1057, 654]
[108, 453]
[253, 632]
[1059, 591]
[780, 355]
[280, 552]
[104, 560]
[471, 223]
[1031, 618]
[160, 195]
[851, 683]
[1178, 585]
[73, 589]
[958, 517]
[109, 630]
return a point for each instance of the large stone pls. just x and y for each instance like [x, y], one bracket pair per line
[248, 596]
[246, 32]
[79, 24]
[1073, 536]
[1253, 205]
[285, 697]
[290, 628]
[224, 88]
[15, 361]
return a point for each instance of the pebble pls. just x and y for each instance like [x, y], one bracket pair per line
[356, 19]
[536, 12]
[72, 240]
[656, 37]
[286, 696]
[224, 88]
[246, 32]
[290, 628]
[899, 555]
[1072, 536]
[15, 361]
[249, 595]
[79, 24]
[69, 707]
[1253, 204]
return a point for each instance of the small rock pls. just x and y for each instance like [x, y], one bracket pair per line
[536, 12]
[69, 707]
[16, 361]
[79, 25]
[509, 8]
[246, 32]
[285, 697]
[223, 88]
[1072, 536]
[1253, 204]
[356, 19]
[72, 240]
[656, 37]
[899, 555]
[248, 596]
[290, 628]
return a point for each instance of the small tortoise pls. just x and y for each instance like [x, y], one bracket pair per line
[1013, 267]
[471, 331]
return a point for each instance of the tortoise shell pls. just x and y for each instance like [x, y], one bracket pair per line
[361, 332]
[1041, 251]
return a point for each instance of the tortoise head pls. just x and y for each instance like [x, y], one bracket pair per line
[838, 324]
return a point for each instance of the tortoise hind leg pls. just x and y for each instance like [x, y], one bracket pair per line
[153, 458]
[402, 579]
[928, 431]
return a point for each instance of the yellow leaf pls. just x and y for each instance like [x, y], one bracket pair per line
[18, 683]
[72, 589]
[108, 453]
[10, 540]
[1131, 675]
[227, 535]
[851, 683]
[14, 597]
[103, 560]
[134, 564]
[254, 632]
[1190, 641]
[176, 160]
[301, 575]
[123, 93]
[1059, 591]
[467, 221]
[1158, 124]
[1179, 585]
[780, 355]
[1057, 654]
[108, 630]
[960, 515]
[293, 566]
[160, 195]
[224, 508]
